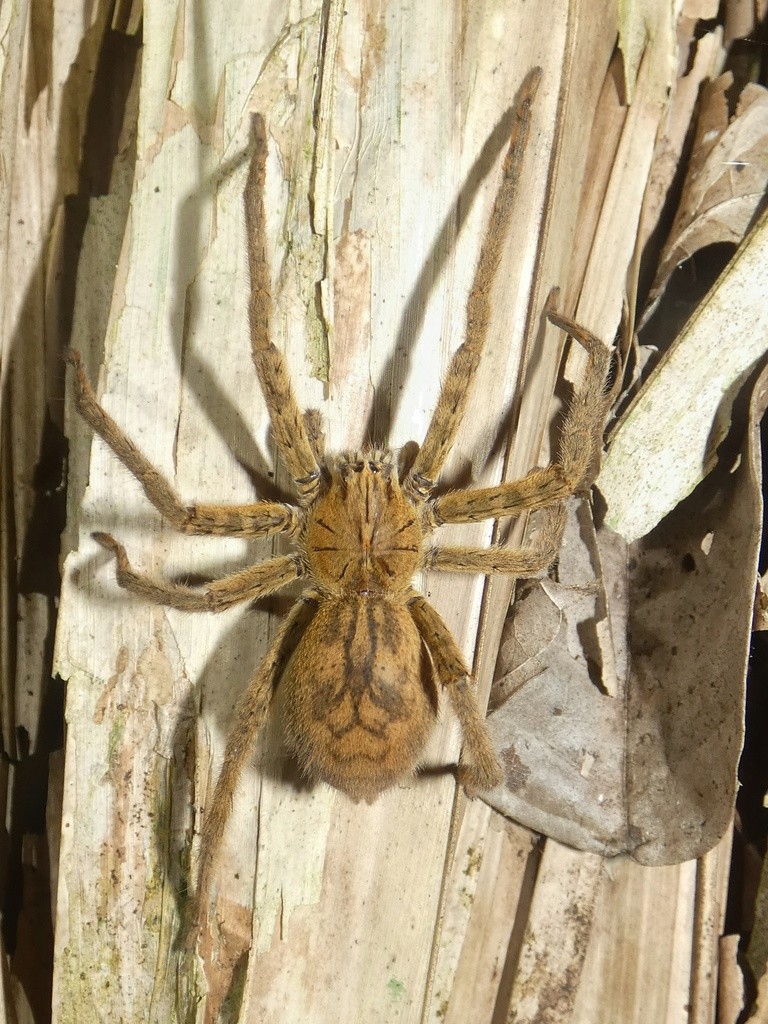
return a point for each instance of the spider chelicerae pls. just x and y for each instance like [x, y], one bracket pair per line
[357, 656]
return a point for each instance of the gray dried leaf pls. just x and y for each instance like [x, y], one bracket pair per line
[619, 700]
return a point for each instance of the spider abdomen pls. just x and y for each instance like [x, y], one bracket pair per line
[358, 699]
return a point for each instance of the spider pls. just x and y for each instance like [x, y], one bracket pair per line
[357, 656]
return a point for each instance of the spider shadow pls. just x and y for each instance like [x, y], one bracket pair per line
[226, 419]
[510, 417]
[222, 413]
[230, 660]
[396, 370]
[192, 231]
[234, 662]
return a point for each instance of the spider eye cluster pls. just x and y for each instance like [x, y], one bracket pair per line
[375, 461]
[358, 467]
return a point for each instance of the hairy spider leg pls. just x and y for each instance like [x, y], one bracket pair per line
[483, 770]
[259, 519]
[579, 444]
[246, 585]
[289, 429]
[249, 716]
[452, 403]
[520, 562]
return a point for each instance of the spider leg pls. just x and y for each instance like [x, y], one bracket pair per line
[482, 771]
[246, 585]
[259, 519]
[579, 444]
[293, 440]
[250, 713]
[520, 562]
[454, 395]
[537, 489]
[313, 421]
[583, 427]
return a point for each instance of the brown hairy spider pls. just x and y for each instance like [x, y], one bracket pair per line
[356, 655]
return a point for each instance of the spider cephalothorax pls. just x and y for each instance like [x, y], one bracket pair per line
[359, 659]
[363, 535]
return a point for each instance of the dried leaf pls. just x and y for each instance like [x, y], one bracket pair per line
[640, 21]
[761, 604]
[613, 751]
[727, 176]
[668, 439]
[706, 59]
[557, 731]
